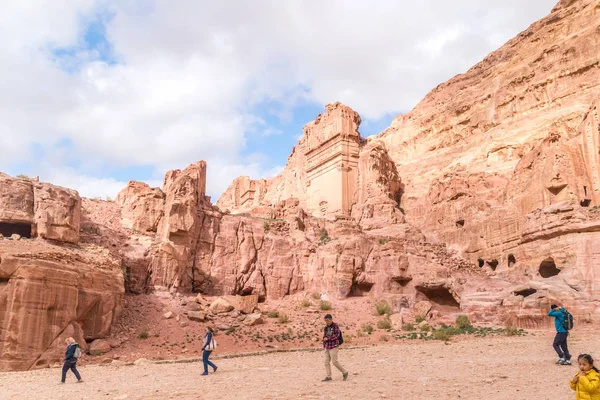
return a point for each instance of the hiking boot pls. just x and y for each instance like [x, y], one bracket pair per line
[326, 379]
[215, 369]
[566, 362]
[560, 361]
[345, 375]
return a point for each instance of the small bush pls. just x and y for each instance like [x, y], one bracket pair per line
[325, 305]
[424, 328]
[108, 198]
[383, 308]
[283, 318]
[273, 314]
[266, 226]
[384, 338]
[418, 320]
[408, 327]
[444, 333]
[316, 296]
[324, 239]
[462, 322]
[143, 333]
[22, 176]
[367, 328]
[384, 324]
[383, 241]
[306, 303]
[360, 333]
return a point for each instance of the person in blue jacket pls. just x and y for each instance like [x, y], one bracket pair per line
[207, 349]
[560, 340]
[71, 355]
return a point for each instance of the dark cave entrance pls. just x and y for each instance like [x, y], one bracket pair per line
[548, 268]
[7, 229]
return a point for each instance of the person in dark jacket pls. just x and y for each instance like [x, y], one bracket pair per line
[207, 349]
[560, 340]
[71, 359]
[331, 343]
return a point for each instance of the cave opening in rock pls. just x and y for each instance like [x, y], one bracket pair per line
[493, 264]
[440, 297]
[7, 229]
[246, 291]
[555, 190]
[480, 262]
[511, 260]
[585, 190]
[360, 289]
[585, 203]
[4, 281]
[460, 223]
[525, 292]
[548, 268]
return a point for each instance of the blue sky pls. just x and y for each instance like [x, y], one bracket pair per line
[98, 92]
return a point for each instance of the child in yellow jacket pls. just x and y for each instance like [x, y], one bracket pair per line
[586, 383]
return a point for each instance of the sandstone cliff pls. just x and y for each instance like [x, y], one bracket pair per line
[481, 163]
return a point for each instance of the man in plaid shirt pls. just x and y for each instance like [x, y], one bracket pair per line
[331, 342]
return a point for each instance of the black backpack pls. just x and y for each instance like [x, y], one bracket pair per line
[567, 321]
[341, 338]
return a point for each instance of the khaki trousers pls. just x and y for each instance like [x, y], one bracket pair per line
[331, 356]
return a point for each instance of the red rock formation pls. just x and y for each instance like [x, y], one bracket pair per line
[142, 206]
[479, 157]
[30, 208]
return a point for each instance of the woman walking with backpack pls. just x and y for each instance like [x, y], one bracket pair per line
[72, 353]
[209, 345]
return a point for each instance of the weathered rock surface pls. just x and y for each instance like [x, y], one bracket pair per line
[30, 208]
[99, 347]
[253, 319]
[220, 306]
[142, 206]
[48, 293]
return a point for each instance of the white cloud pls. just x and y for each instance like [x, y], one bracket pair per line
[190, 75]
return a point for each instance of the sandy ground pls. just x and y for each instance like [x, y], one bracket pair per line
[516, 368]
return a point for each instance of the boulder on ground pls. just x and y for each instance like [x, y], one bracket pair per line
[220, 306]
[99, 347]
[168, 315]
[196, 316]
[244, 304]
[253, 319]
[422, 309]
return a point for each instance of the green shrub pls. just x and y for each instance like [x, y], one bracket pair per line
[325, 305]
[324, 239]
[266, 226]
[367, 328]
[384, 324]
[462, 322]
[383, 308]
[384, 338]
[408, 327]
[306, 303]
[22, 176]
[283, 318]
[316, 296]
[273, 314]
[424, 328]
[444, 333]
[418, 320]
[143, 333]
[383, 241]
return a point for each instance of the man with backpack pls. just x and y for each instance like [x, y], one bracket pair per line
[563, 322]
[72, 354]
[332, 339]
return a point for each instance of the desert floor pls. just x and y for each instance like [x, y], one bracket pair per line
[465, 368]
